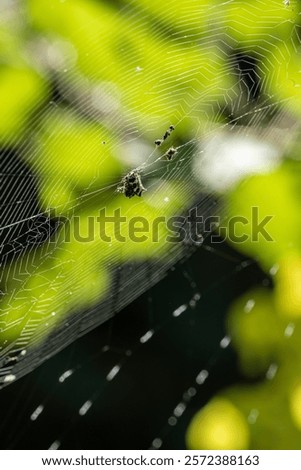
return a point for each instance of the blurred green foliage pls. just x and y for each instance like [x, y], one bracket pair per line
[264, 324]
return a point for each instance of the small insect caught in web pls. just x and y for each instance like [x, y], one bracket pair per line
[286, 3]
[158, 142]
[131, 184]
[171, 152]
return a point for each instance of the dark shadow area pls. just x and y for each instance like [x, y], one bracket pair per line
[131, 409]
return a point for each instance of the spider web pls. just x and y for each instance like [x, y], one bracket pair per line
[186, 65]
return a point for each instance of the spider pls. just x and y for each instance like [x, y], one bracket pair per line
[131, 184]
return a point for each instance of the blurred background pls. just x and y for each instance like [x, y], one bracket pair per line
[150, 345]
